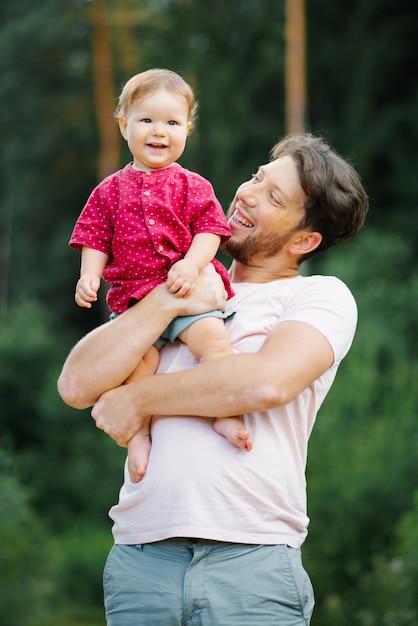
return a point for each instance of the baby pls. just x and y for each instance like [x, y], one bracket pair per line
[151, 222]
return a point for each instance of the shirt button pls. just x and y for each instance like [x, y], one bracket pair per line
[151, 221]
[160, 248]
[148, 173]
[147, 193]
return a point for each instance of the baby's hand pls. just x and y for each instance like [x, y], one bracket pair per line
[86, 290]
[181, 279]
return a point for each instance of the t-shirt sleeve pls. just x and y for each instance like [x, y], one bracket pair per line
[206, 213]
[93, 228]
[327, 304]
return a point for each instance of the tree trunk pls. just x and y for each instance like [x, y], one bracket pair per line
[109, 152]
[108, 160]
[295, 66]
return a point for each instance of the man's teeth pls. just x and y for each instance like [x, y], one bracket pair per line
[241, 220]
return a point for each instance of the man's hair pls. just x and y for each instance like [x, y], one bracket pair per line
[337, 203]
[142, 85]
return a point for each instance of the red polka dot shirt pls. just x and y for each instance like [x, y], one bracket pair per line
[145, 222]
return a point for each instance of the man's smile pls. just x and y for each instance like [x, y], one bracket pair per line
[239, 218]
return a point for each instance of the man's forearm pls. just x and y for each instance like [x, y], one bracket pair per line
[228, 386]
[207, 390]
[105, 357]
[292, 357]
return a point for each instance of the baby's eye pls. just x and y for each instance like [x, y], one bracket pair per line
[172, 123]
[146, 120]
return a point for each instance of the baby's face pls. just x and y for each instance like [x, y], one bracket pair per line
[156, 130]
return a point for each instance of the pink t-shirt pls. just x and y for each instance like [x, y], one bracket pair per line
[145, 222]
[197, 484]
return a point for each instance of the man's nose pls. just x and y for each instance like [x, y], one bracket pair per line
[247, 194]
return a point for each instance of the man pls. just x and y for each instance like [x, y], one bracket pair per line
[212, 534]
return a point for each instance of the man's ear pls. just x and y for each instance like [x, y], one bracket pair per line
[122, 127]
[305, 242]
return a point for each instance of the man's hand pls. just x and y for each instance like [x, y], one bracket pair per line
[208, 294]
[114, 413]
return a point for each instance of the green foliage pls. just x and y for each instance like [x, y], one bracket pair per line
[362, 467]
[73, 471]
[61, 454]
[407, 547]
[361, 57]
[24, 562]
[27, 353]
[45, 89]
[79, 557]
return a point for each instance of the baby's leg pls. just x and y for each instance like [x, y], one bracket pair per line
[207, 339]
[147, 365]
[139, 448]
[140, 445]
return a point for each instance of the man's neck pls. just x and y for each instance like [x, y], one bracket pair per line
[241, 273]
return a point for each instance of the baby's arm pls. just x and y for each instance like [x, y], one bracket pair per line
[93, 263]
[182, 277]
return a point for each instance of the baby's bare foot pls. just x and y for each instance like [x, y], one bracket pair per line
[232, 428]
[138, 455]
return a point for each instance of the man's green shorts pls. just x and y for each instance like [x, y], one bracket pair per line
[189, 582]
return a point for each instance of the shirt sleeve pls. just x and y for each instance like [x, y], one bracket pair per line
[206, 213]
[93, 228]
[326, 303]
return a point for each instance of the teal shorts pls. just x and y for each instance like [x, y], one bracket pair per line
[180, 324]
[187, 582]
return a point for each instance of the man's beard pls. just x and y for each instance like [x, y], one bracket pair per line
[252, 249]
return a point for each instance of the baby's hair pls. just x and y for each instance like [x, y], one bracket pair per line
[142, 85]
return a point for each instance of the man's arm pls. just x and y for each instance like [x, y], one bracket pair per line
[292, 357]
[105, 357]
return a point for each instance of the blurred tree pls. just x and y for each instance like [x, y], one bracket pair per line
[361, 59]
[24, 562]
[47, 154]
[295, 66]
[103, 80]
[362, 463]
[60, 453]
